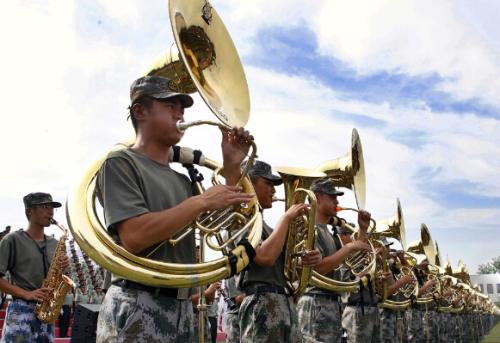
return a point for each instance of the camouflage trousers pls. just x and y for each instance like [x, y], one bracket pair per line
[232, 327]
[391, 326]
[431, 325]
[196, 326]
[361, 328]
[21, 325]
[129, 315]
[319, 319]
[416, 331]
[268, 318]
[445, 325]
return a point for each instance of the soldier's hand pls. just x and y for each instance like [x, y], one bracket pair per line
[296, 210]
[64, 262]
[37, 294]
[364, 220]
[222, 196]
[358, 245]
[235, 145]
[212, 289]
[311, 258]
[406, 279]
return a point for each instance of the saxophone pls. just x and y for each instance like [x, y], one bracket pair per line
[59, 284]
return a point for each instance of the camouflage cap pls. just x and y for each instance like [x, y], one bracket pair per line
[325, 186]
[39, 198]
[157, 87]
[264, 170]
[344, 230]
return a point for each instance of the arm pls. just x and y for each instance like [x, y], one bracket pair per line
[209, 294]
[235, 145]
[363, 222]
[15, 291]
[331, 262]
[392, 288]
[271, 248]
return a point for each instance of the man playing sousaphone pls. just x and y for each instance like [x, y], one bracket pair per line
[319, 309]
[146, 202]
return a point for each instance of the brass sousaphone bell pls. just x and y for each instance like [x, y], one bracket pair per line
[208, 62]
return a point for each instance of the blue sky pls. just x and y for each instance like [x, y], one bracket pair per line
[418, 79]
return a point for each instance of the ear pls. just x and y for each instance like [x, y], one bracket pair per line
[139, 111]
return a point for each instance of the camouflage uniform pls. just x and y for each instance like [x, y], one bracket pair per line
[269, 317]
[319, 310]
[267, 314]
[130, 315]
[319, 318]
[232, 327]
[389, 332]
[361, 328]
[415, 320]
[21, 324]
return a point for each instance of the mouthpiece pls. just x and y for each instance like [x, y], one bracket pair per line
[339, 208]
[53, 221]
[181, 126]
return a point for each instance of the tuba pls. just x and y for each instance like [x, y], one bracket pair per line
[59, 284]
[203, 59]
[301, 232]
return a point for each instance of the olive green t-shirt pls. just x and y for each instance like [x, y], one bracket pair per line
[270, 275]
[26, 260]
[131, 184]
[325, 243]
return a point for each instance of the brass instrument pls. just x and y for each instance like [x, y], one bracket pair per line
[59, 284]
[208, 62]
[348, 171]
[301, 232]
[394, 227]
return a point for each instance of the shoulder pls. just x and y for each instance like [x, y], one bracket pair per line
[13, 236]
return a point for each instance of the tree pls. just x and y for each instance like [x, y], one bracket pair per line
[490, 267]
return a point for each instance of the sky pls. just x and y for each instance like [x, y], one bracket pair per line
[419, 80]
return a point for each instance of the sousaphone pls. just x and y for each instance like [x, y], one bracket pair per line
[203, 59]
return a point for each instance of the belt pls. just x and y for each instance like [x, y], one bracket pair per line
[266, 289]
[166, 292]
[358, 303]
[334, 297]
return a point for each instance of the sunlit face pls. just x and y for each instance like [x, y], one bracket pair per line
[41, 215]
[327, 204]
[158, 121]
[264, 189]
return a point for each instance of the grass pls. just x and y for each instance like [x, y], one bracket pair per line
[494, 335]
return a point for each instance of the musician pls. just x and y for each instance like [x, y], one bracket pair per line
[319, 309]
[268, 314]
[146, 202]
[391, 321]
[27, 255]
[420, 318]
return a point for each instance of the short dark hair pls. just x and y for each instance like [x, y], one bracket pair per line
[143, 100]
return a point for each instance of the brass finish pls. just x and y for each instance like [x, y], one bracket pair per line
[393, 227]
[349, 170]
[301, 232]
[58, 284]
[204, 59]
[208, 62]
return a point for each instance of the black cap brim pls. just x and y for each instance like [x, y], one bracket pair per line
[276, 180]
[185, 99]
[336, 193]
[54, 204]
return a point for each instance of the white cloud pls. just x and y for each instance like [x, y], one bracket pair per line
[78, 92]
